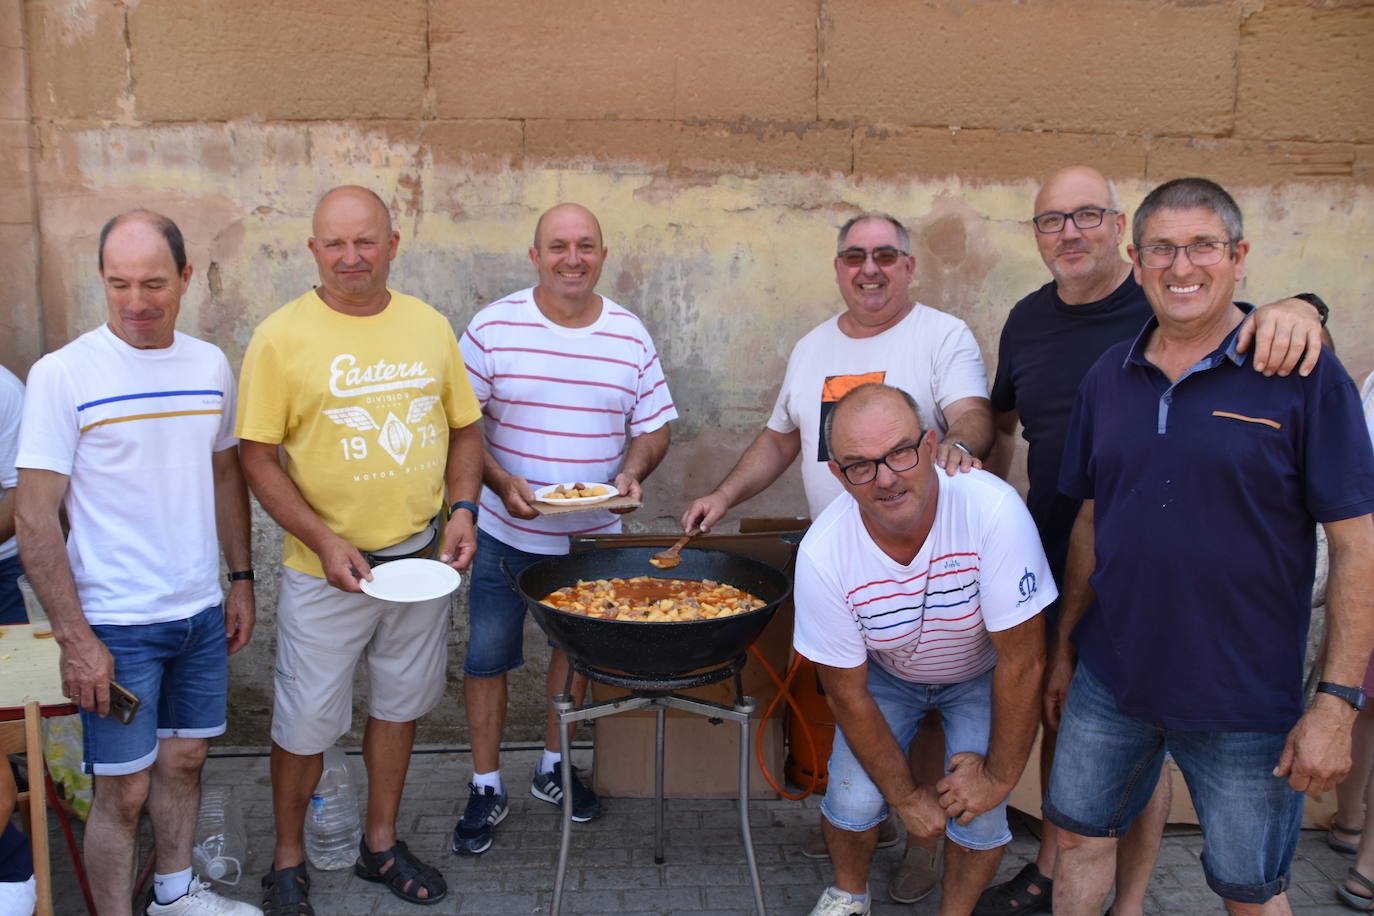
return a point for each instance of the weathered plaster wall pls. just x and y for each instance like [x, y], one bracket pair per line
[720, 143]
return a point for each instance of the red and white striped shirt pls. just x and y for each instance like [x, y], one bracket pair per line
[980, 569]
[560, 406]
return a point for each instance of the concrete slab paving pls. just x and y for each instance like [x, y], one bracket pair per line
[611, 868]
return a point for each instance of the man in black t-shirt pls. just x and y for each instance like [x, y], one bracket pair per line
[1050, 340]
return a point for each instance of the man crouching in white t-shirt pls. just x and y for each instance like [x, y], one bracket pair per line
[918, 591]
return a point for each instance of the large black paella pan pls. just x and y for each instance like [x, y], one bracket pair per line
[652, 650]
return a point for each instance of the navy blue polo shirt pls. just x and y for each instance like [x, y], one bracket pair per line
[1206, 494]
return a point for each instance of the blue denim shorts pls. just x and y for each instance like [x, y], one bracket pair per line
[853, 802]
[12, 608]
[496, 614]
[1106, 766]
[180, 672]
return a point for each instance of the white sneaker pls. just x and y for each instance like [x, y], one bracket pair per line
[835, 902]
[201, 901]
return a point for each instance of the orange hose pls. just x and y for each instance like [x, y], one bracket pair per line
[784, 693]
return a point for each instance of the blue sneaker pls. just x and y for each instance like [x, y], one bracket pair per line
[549, 787]
[486, 808]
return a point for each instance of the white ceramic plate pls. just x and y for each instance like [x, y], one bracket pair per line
[412, 580]
[542, 494]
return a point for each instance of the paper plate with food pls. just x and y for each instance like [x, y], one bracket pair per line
[576, 493]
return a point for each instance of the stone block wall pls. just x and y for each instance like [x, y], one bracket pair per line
[721, 143]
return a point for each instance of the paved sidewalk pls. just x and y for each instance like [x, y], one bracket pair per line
[611, 868]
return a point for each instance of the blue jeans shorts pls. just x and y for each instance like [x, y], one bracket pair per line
[180, 672]
[1106, 766]
[496, 614]
[12, 608]
[853, 802]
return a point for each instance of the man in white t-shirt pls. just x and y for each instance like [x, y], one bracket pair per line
[917, 590]
[571, 391]
[130, 429]
[882, 336]
[11, 410]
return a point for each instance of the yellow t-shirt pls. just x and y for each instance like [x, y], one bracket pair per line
[363, 408]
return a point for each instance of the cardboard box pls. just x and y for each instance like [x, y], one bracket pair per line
[701, 759]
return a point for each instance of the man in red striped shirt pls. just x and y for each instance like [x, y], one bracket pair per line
[918, 591]
[571, 391]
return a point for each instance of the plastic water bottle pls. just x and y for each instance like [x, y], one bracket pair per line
[220, 844]
[332, 826]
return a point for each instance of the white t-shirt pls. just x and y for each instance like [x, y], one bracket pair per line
[134, 430]
[1367, 401]
[930, 355]
[980, 569]
[556, 402]
[11, 411]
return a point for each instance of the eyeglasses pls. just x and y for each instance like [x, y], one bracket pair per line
[883, 256]
[1200, 254]
[902, 458]
[1084, 218]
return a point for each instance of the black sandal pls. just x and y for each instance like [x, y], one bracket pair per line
[1013, 896]
[405, 877]
[1340, 845]
[286, 892]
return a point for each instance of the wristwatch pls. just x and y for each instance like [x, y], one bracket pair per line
[241, 575]
[1352, 695]
[1316, 302]
[464, 504]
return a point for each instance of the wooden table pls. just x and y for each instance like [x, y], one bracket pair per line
[29, 673]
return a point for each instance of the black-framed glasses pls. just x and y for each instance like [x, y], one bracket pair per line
[1084, 218]
[902, 458]
[1200, 254]
[883, 256]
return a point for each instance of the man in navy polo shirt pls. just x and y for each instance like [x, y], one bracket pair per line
[1187, 587]
[1050, 340]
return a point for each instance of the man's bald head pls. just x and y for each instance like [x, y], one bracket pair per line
[568, 208]
[1083, 179]
[350, 195]
[1086, 262]
[354, 245]
[859, 400]
[164, 226]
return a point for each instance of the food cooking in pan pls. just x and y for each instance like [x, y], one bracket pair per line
[653, 600]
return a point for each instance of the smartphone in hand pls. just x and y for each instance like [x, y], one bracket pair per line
[123, 704]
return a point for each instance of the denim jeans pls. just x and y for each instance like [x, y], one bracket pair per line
[1106, 766]
[853, 802]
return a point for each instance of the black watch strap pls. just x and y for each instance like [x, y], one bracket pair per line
[1316, 302]
[241, 575]
[464, 504]
[1352, 695]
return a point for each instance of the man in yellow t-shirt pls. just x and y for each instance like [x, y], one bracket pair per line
[365, 392]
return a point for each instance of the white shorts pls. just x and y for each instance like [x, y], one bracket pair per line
[321, 634]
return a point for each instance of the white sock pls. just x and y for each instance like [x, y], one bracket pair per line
[549, 761]
[493, 779]
[170, 888]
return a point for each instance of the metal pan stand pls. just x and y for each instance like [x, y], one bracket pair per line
[659, 696]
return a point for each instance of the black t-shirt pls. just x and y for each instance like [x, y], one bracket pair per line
[1046, 349]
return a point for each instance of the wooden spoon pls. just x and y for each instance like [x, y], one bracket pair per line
[667, 559]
